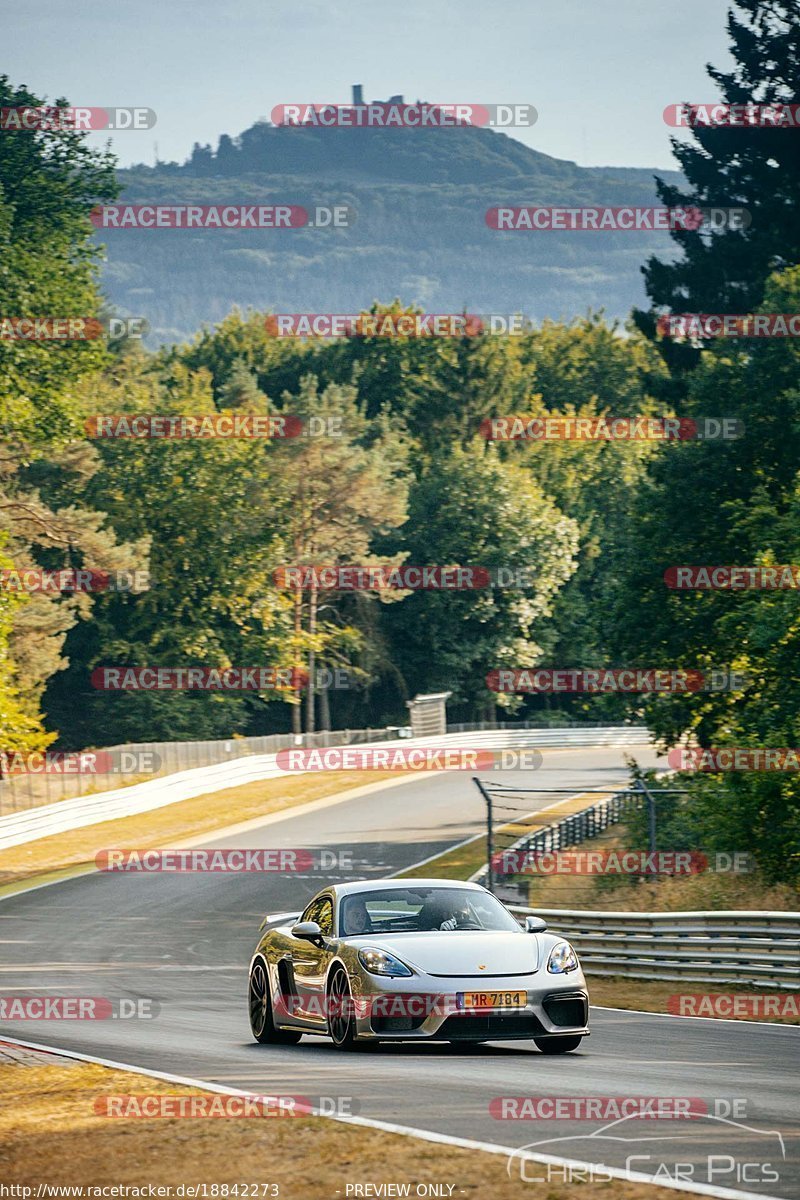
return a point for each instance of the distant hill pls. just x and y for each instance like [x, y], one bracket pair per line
[420, 234]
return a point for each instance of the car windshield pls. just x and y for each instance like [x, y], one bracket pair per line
[428, 909]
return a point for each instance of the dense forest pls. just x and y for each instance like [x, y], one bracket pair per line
[402, 473]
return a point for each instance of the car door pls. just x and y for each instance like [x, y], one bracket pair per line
[310, 964]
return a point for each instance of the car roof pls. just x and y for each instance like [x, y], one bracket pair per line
[380, 885]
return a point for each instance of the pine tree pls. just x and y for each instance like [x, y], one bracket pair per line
[240, 389]
[745, 167]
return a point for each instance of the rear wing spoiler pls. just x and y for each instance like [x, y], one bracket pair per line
[278, 919]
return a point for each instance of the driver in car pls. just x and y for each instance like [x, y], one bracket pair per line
[357, 919]
[439, 914]
[461, 916]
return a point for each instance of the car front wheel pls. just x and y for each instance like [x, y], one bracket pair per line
[341, 1015]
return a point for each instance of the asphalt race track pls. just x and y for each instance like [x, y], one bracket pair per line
[185, 941]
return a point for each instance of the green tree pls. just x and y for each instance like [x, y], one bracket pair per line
[754, 168]
[209, 509]
[340, 492]
[49, 182]
[586, 369]
[734, 503]
[21, 732]
[469, 508]
[240, 389]
[245, 341]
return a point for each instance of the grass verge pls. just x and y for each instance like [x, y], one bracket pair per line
[648, 995]
[49, 1133]
[69, 853]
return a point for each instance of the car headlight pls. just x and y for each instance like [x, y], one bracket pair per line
[562, 959]
[380, 962]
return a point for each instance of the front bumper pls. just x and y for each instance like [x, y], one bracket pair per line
[423, 1009]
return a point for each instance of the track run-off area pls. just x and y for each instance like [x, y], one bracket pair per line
[184, 940]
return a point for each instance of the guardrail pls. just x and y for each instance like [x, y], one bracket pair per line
[560, 724]
[29, 824]
[757, 948]
[18, 792]
[570, 735]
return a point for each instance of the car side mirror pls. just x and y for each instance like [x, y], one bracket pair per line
[309, 931]
[535, 925]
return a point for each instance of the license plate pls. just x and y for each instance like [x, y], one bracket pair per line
[495, 999]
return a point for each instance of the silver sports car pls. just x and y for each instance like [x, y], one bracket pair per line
[411, 960]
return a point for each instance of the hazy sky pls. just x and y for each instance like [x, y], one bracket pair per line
[600, 75]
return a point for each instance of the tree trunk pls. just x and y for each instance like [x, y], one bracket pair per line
[324, 709]
[297, 723]
[310, 689]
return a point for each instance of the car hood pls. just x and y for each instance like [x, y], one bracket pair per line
[477, 955]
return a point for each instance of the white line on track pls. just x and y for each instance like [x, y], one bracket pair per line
[443, 1139]
[642, 1012]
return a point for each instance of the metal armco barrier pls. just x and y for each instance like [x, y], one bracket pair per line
[30, 791]
[757, 948]
[37, 822]
[568, 735]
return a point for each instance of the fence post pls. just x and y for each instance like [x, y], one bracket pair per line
[489, 833]
[651, 815]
